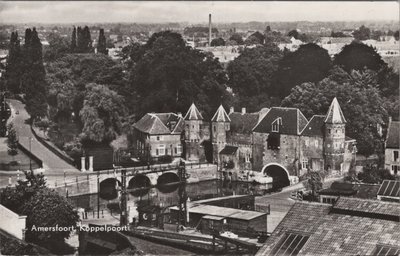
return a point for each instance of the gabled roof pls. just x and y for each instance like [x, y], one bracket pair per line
[193, 113]
[243, 123]
[220, 115]
[333, 233]
[335, 114]
[393, 135]
[314, 127]
[293, 121]
[159, 123]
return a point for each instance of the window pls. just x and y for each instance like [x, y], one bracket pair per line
[304, 163]
[395, 168]
[306, 141]
[179, 149]
[161, 150]
[290, 244]
[328, 145]
[273, 141]
[316, 143]
[276, 124]
[395, 155]
[329, 131]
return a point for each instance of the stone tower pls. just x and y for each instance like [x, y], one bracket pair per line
[220, 124]
[193, 134]
[334, 136]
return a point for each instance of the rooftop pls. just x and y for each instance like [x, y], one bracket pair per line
[331, 233]
[393, 135]
[389, 188]
[193, 113]
[243, 123]
[358, 190]
[335, 114]
[160, 123]
[220, 115]
[228, 150]
[314, 126]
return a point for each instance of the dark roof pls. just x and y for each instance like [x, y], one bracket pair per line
[314, 127]
[358, 190]
[159, 123]
[228, 150]
[243, 123]
[293, 121]
[368, 206]
[393, 135]
[332, 233]
[389, 188]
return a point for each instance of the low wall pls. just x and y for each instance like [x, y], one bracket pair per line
[12, 223]
[32, 156]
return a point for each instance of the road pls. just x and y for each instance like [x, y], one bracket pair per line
[53, 165]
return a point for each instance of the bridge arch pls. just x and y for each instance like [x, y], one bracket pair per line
[168, 182]
[139, 184]
[108, 188]
[279, 174]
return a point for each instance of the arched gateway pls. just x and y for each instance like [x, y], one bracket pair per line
[279, 174]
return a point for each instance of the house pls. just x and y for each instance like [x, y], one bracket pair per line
[389, 191]
[392, 147]
[286, 144]
[351, 226]
[157, 135]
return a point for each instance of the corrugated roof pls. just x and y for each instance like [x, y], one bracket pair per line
[393, 135]
[293, 121]
[159, 123]
[333, 233]
[335, 114]
[193, 113]
[315, 126]
[228, 150]
[389, 188]
[220, 115]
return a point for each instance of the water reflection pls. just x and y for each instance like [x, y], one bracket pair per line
[164, 196]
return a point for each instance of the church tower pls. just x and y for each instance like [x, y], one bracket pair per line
[220, 124]
[334, 136]
[193, 126]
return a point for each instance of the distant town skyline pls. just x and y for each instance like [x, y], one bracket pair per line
[192, 12]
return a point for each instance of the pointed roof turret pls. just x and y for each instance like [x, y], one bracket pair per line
[220, 115]
[193, 113]
[335, 114]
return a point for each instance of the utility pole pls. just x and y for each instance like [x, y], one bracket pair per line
[30, 151]
[182, 194]
[123, 220]
[98, 195]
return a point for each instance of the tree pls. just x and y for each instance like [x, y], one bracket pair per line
[58, 47]
[314, 182]
[361, 103]
[396, 35]
[251, 76]
[359, 56]
[293, 33]
[373, 174]
[14, 68]
[218, 42]
[101, 46]
[102, 114]
[237, 38]
[255, 38]
[337, 34]
[83, 41]
[73, 40]
[170, 76]
[362, 33]
[12, 140]
[310, 63]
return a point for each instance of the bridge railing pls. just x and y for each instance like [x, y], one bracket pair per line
[116, 172]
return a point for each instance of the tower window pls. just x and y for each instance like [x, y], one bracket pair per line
[395, 155]
[276, 124]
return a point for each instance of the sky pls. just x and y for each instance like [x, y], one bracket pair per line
[192, 12]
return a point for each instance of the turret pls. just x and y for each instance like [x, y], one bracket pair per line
[334, 136]
[220, 124]
[193, 133]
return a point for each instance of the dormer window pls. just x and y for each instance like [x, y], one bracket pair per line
[276, 124]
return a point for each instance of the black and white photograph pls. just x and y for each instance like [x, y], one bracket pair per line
[199, 128]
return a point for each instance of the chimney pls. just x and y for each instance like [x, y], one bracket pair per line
[231, 110]
[180, 114]
[243, 111]
[209, 29]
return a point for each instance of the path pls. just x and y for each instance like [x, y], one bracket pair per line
[54, 166]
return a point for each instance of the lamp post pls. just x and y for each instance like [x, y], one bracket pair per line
[30, 152]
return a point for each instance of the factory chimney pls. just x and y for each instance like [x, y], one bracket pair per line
[209, 29]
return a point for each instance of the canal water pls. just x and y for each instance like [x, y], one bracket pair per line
[165, 196]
